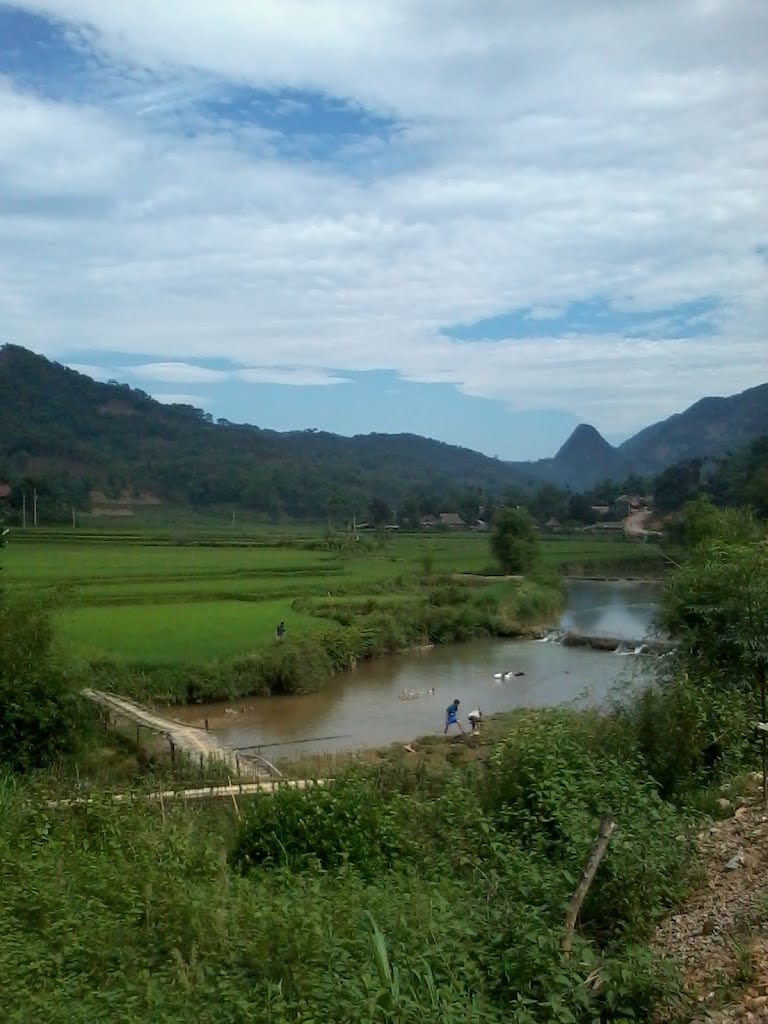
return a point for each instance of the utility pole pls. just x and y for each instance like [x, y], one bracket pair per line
[74, 517]
[23, 510]
[34, 507]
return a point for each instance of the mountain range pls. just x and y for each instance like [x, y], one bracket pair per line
[709, 428]
[84, 435]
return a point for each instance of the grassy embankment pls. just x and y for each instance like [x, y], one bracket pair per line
[184, 616]
[428, 892]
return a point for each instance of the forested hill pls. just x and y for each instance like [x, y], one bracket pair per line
[710, 428]
[73, 434]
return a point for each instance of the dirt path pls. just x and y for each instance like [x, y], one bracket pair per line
[189, 738]
[721, 934]
[634, 524]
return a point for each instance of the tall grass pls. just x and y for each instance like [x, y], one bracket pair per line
[391, 895]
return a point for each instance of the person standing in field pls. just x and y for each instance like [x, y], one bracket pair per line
[452, 717]
[280, 631]
[474, 718]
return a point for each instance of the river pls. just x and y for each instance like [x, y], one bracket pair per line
[363, 707]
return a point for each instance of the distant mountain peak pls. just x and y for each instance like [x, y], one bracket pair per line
[584, 442]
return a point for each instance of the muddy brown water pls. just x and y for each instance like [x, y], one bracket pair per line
[363, 707]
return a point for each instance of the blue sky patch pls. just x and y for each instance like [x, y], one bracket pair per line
[40, 54]
[593, 316]
[55, 62]
[373, 401]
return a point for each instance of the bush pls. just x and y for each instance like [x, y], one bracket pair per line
[549, 787]
[41, 714]
[294, 665]
[533, 979]
[687, 734]
[347, 822]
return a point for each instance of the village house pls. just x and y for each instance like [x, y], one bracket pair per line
[447, 520]
[626, 503]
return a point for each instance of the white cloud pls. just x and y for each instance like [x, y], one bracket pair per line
[544, 154]
[296, 376]
[198, 401]
[182, 373]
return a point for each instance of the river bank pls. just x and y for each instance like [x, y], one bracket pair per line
[342, 633]
[432, 752]
[394, 698]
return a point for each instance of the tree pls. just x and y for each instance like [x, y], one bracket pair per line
[515, 541]
[580, 510]
[677, 485]
[408, 514]
[716, 608]
[379, 512]
[549, 501]
[39, 708]
[700, 522]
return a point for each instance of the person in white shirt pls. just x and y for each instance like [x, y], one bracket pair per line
[474, 718]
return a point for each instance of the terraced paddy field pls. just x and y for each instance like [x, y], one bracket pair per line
[168, 598]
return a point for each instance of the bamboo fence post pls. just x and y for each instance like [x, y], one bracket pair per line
[600, 845]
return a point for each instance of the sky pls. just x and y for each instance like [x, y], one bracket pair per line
[485, 221]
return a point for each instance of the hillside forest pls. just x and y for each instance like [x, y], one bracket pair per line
[66, 441]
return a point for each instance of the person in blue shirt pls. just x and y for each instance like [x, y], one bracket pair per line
[452, 717]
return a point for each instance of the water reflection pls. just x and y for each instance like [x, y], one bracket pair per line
[363, 708]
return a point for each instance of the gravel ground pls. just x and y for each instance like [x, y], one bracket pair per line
[721, 934]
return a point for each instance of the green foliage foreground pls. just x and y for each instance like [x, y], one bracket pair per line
[40, 713]
[388, 896]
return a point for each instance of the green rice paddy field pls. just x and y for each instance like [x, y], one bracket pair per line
[154, 598]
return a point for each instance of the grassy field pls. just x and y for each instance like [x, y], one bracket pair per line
[167, 634]
[160, 598]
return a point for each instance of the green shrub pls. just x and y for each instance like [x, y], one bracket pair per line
[294, 665]
[346, 822]
[687, 734]
[41, 714]
[550, 785]
[533, 979]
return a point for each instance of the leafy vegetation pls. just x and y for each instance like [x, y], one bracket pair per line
[40, 715]
[514, 540]
[716, 606]
[390, 895]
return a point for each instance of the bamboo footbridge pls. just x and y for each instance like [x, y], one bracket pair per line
[191, 739]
